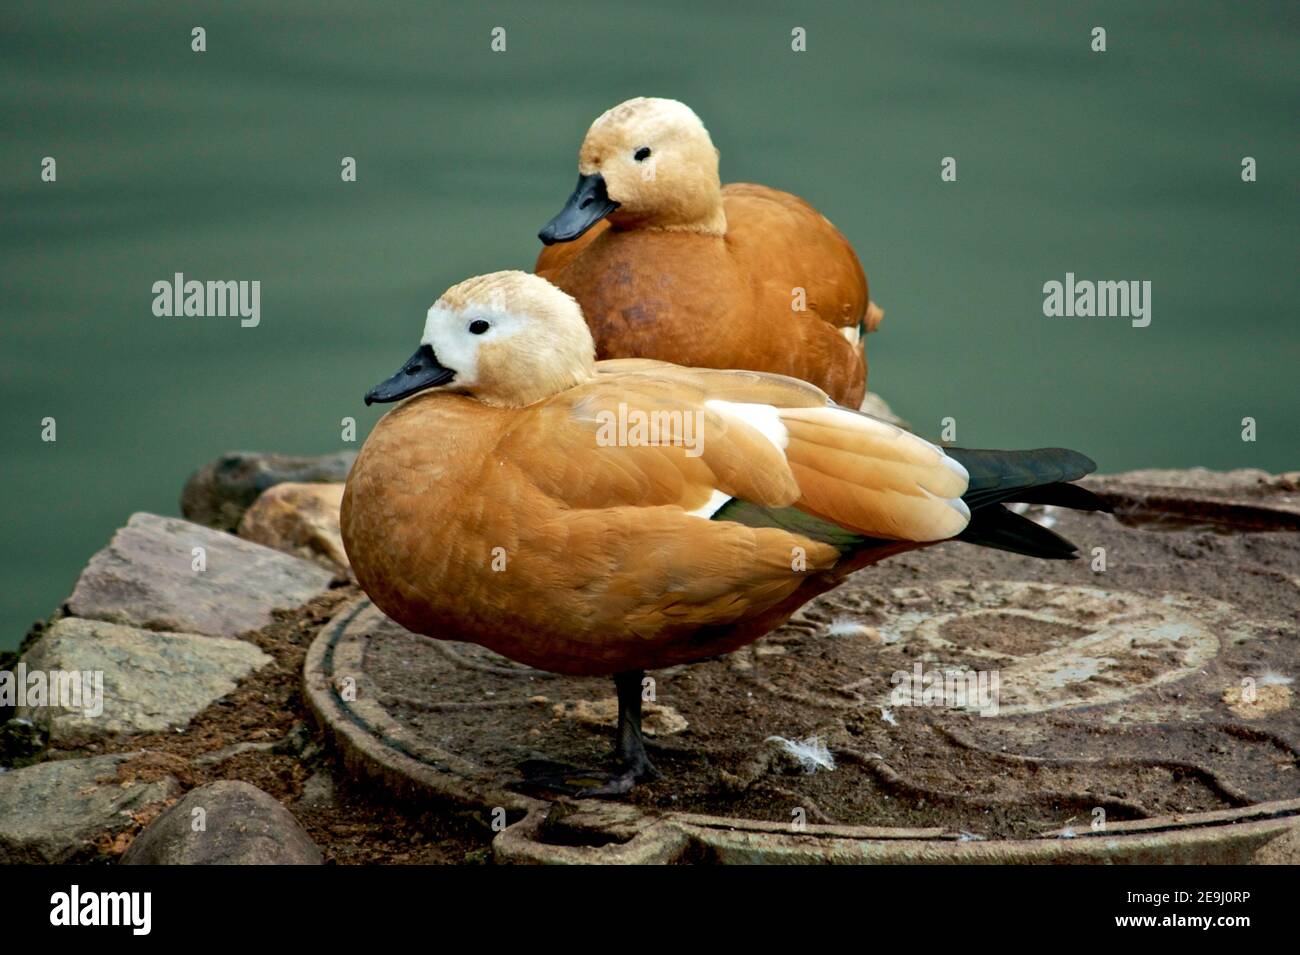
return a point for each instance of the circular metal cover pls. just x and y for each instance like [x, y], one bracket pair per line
[952, 704]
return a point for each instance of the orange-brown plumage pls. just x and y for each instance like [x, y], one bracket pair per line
[741, 276]
[612, 517]
[523, 527]
[601, 568]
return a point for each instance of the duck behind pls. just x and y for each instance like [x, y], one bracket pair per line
[610, 517]
[669, 264]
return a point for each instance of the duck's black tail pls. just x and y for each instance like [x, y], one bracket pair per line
[998, 478]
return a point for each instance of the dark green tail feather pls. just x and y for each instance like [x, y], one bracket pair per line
[1031, 477]
[1001, 475]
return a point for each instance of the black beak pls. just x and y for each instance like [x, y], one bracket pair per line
[421, 371]
[587, 206]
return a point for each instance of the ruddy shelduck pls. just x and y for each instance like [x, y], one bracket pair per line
[608, 517]
[668, 263]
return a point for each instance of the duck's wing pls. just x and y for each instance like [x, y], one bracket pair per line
[646, 440]
[611, 523]
[725, 435]
[621, 528]
[702, 384]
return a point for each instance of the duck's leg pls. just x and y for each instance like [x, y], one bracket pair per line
[629, 750]
[629, 753]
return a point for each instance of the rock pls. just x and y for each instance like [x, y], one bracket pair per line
[145, 577]
[299, 519]
[66, 810]
[1246, 498]
[1192, 479]
[241, 825]
[317, 791]
[217, 494]
[21, 740]
[1284, 850]
[146, 680]
[296, 742]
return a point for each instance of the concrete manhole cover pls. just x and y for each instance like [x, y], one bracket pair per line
[1143, 713]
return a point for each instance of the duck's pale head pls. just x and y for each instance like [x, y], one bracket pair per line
[646, 163]
[508, 339]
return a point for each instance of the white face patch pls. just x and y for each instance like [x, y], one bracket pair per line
[447, 332]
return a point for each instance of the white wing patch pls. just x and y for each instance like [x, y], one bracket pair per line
[711, 506]
[765, 419]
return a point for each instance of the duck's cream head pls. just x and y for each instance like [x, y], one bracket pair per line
[646, 163]
[507, 339]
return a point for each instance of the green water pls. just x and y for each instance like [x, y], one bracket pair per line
[225, 165]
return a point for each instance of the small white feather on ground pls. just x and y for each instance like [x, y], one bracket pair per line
[811, 753]
[1271, 678]
[843, 626]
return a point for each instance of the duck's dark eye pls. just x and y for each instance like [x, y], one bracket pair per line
[642, 154]
[478, 326]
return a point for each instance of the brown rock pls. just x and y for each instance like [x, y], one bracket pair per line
[237, 824]
[217, 494]
[299, 519]
[147, 577]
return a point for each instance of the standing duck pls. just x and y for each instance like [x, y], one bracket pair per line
[668, 263]
[605, 518]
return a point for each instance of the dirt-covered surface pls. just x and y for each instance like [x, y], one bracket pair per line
[1156, 686]
[1164, 726]
[262, 734]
